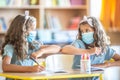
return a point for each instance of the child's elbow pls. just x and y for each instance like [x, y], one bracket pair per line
[65, 49]
[57, 48]
[4, 68]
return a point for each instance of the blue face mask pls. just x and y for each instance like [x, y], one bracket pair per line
[88, 37]
[31, 37]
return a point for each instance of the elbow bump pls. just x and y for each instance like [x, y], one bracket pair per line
[63, 51]
[57, 47]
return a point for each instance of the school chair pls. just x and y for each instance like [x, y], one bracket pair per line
[112, 73]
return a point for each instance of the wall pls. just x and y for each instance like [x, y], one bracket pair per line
[114, 37]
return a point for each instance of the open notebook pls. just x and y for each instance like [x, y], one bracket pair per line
[95, 68]
[55, 64]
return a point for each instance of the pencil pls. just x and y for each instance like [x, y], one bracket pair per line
[34, 61]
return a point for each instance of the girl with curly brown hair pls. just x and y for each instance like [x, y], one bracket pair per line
[20, 46]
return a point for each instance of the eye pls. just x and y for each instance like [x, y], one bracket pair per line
[81, 31]
[87, 30]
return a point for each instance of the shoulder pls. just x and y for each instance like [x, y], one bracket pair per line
[78, 43]
[8, 50]
[110, 52]
[8, 47]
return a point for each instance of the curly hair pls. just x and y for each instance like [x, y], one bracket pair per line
[17, 33]
[101, 39]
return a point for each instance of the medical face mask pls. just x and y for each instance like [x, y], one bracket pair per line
[31, 37]
[88, 37]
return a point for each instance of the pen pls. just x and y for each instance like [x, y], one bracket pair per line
[34, 61]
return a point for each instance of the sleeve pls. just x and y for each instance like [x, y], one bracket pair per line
[109, 53]
[75, 43]
[78, 44]
[76, 59]
[8, 50]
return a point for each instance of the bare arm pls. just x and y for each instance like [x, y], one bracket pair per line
[69, 49]
[50, 48]
[7, 67]
[116, 57]
[46, 49]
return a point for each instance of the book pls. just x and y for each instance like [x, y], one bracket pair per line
[48, 20]
[56, 25]
[76, 2]
[94, 68]
[53, 22]
[48, 3]
[54, 2]
[27, 2]
[97, 68]
[73, 25]
[55, 63]
[3, 26]
[33, 2]
[2, 2]
[61, 3]
[68, 3]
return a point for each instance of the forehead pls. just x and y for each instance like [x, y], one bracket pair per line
[31, 25]
[32, 28]
[85, 26]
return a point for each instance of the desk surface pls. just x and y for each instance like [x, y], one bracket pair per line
[50, 75]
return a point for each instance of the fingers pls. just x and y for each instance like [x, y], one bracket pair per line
[41, 68]
[37, 68]
[33, 55]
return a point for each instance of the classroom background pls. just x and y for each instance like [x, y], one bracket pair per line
[57, 20]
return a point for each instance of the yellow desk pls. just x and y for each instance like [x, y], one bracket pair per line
[70, 74]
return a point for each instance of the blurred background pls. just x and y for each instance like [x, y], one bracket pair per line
[57, 20]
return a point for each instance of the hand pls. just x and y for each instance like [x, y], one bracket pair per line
[37, 68]
[102, 65]
[36, 55]
[95, 50]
